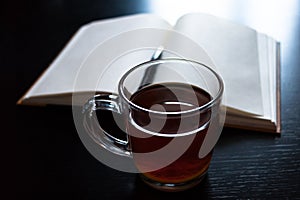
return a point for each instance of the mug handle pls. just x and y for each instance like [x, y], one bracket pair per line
[106, 102]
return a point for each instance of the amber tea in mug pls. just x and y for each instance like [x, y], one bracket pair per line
[172, 121]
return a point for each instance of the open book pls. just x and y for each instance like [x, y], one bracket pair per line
[247, 60]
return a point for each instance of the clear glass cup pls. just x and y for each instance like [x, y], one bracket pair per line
[171, 111]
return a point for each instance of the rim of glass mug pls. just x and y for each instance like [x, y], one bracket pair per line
[209, 104]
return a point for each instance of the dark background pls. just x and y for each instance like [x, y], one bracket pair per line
[45, 156]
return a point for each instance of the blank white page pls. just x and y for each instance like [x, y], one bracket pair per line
[233, 48]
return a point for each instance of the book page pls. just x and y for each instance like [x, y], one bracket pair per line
[233, 48]
[60, 76]
[265, 72]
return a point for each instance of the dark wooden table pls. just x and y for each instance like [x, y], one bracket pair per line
[50, 161]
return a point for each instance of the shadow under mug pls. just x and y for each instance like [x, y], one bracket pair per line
[172, 115]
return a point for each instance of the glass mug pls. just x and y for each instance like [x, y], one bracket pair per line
[171, 111]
